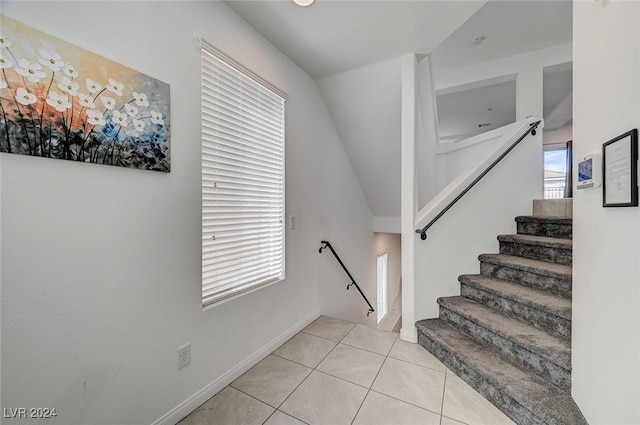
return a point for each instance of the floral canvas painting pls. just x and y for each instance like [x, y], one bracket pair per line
[60, 101]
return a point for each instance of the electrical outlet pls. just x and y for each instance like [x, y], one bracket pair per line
[184, 356]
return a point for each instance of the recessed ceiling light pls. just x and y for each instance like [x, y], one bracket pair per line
[478, 40]
[304, 3]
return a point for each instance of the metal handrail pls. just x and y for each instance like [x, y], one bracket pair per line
[353, 281]
[531, 129]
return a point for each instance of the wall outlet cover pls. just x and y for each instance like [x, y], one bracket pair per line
[184, 356]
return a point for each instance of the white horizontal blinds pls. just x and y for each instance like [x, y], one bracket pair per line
[242, 179]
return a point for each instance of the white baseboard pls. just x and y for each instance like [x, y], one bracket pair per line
[183, 409]
[409, 335]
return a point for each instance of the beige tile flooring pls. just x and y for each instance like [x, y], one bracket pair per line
[335, 372]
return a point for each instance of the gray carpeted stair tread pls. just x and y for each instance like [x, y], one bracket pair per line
[557, 227]
[542, 344]
[532, 297]
[543, 248]
[536, 266]
[544, 220]
[544, 241]
[509, 333]
[536, 401]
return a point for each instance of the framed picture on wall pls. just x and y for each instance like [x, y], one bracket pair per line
[620, 171]
[60, 101]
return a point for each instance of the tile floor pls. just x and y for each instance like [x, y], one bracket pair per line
[335, 372]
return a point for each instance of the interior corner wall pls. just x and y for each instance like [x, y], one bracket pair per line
[101, 278]
[606, 248]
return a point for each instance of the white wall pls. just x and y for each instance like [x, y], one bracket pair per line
[528, 67]
[101, 265]
[428, 171]
[365, 105]
[452, 159]
[472, 225]
[606, 249]
[409, 195]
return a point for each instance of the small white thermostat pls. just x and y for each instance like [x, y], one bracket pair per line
[590, 172]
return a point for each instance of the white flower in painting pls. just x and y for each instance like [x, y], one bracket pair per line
[51, 60]
[4, 42]
[131, 110]
[3, 84]
[31, 70]
[140, 98]
[115, 87]
[5, 62]
[119, 118]
[86, 101]
[24, 97]
[156, 118]
[108, 102]
[138, 125]
[95, 117]
[92, 86]
[70, 71]
[59, 101]
[67, 85]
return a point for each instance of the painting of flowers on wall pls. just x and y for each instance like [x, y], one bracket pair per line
[60, 101]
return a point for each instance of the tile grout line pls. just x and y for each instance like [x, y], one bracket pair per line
[369, 389]
[372, 382]
[315, 368]
[406, 402]
[444, 390]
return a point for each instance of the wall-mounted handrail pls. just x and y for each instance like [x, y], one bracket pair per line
[326, 244]
[532, 129]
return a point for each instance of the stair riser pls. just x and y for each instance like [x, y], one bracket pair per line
[545, 321]
[536, 252]
[553, 230]
[483, 384]
[544, 368]
[555, 284]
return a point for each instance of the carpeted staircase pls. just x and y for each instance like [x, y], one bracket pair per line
[509, 333]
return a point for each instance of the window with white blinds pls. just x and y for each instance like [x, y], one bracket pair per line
[243, 134]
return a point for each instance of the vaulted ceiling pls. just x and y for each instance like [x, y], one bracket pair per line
[352, 49]
[330, 37]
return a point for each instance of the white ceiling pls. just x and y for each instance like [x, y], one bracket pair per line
[330, 37]
[509, 28]
[463, 114]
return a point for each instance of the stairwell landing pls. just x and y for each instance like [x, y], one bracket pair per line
[508, 334]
